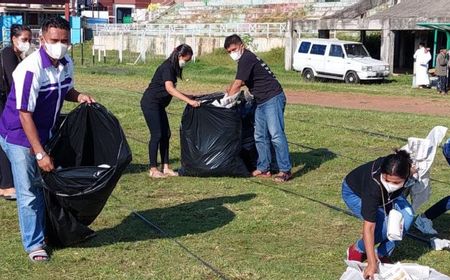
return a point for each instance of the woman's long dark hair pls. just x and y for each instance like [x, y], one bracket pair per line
[17, 29]
[397, 164]
[181, 50]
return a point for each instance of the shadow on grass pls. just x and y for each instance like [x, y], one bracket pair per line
[310, 160]
[175, 221]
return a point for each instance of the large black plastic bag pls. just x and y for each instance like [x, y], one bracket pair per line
[211, 140]
[89, 152]
[248, 153]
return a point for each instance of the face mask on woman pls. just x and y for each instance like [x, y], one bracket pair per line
[57, 50]
[23, 47]
[182, 63]
[390, 187]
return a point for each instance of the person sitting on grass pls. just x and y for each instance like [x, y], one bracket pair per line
[371, 191]
[424, 221]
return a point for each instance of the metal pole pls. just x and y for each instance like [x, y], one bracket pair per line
[82, 54]
[435, 47]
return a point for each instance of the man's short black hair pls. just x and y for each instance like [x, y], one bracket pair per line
[232, 39]
[55, 22]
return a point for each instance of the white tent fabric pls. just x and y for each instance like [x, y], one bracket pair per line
[423, 151]
[398, 271]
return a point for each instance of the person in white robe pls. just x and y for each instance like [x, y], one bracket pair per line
[422, 57]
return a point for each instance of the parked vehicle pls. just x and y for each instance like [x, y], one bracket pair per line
[335, 59]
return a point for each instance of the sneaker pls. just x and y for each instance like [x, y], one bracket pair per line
[425, 225]
[354, 255]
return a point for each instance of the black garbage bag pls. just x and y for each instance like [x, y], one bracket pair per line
[248, 152]
[211, 140]
[89, 152]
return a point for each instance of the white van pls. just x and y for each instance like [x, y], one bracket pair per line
[335, 59]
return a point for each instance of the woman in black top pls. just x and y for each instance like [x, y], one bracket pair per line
[10, 57]
[153, 103]
[371, 191]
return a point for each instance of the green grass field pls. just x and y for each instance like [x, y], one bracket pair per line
[246, 228]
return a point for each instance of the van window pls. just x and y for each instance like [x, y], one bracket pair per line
[304, 47]
[318, 49]
[356, 50]
[336, 50]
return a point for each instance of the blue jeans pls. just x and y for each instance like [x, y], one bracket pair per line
[438, 209]
[442, 84]
[385, 247]
[269, 128]
[30, 197]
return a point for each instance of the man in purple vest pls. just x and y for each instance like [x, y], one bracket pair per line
[41, 84]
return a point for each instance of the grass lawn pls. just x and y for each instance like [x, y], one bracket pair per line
[213, 72]
[245, 228]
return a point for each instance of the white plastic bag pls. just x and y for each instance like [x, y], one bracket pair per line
[395, 225]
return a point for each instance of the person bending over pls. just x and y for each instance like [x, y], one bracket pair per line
[371, 191]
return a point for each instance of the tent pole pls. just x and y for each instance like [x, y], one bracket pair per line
[435, 47]
[448, 39]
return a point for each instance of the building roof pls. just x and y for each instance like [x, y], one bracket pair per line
[417, 9]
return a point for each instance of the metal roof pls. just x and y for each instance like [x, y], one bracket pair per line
[441, 26]
[417, 9]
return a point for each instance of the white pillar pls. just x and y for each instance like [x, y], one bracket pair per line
[289, 46]
[387, 46]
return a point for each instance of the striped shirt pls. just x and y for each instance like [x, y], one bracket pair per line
[39, 88]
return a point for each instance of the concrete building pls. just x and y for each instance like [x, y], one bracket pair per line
[402, 24]
[117, 11]
[34, 11]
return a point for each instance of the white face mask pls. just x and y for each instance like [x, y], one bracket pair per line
[56, 51]
[23, 47]
[390, 188]
[182, 63]
[236, 55]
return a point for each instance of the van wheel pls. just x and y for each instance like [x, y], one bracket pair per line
[308, 75]
[351, 78]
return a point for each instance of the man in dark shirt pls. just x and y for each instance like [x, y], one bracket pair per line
[270, 99]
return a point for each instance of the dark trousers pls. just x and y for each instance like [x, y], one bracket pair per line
[6, 179]
[442, 84]
[158, 124]
[438, 209]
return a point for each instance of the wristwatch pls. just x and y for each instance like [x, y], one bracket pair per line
[39, 156]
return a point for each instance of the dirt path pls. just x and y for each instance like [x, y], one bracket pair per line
[418, 105]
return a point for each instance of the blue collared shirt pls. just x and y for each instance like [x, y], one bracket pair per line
[39, 88]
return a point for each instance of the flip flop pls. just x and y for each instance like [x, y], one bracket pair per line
[38, 256]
